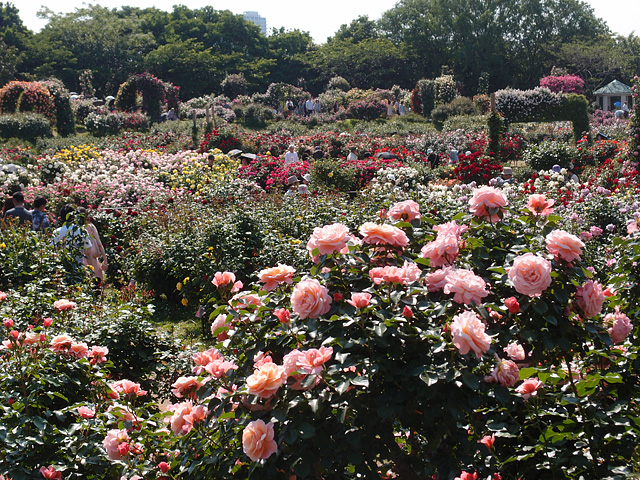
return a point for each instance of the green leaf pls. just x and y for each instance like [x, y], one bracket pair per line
[471, 381]
[306, 430]
[429, 378]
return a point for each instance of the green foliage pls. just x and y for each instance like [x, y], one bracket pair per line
[457, 107]
[331, 175]
[495, 127]
[234, 85]
[338, 83]
[547, 154]
[27, 126]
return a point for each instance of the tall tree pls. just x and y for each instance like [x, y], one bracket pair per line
[14, 37]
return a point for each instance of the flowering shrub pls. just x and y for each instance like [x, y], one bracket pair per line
[476, 168]
[563, 84]
[366, 109]
[28, 126]
[526, 105]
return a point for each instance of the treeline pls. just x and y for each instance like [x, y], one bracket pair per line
[507, 42]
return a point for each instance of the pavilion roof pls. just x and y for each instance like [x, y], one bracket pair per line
[613, 88]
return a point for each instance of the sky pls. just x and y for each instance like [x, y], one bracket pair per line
[322, 21]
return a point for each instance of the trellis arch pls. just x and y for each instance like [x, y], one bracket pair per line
[154, 93]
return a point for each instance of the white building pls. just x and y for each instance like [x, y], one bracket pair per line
[256, 19]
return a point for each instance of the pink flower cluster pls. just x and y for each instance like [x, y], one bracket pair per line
[212, 362]
[445, 248]
[468, 334]
[408, 273]
[620, 326]
[488, 203]
[185, 415]
[466, 286]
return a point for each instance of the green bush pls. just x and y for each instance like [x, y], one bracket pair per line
[469, 123]
[458, 106]
[547, 154]
[333, 176]
[27, 126]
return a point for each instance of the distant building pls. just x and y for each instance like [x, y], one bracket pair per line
[257, 20]
[613, 95]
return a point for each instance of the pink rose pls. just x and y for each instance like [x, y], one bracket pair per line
[539, 205]
[530, 274]
[86, 412]
[506, 374]
[468, 334]
[408, 273]
[61, 343]
[63, 305]
[79, 349]
[98, 354]
[257, 440]
[274, 276]
[360, 299]
[632, 226]
[3, 296]
[186, 387]
[290, 361]
[310, 299]
[515, 351]
[328, 239]
[442, 251]
[219, 367]
[221, 279]
[488, 440]
[488, 203]
[47, 321]
[312, 360]
[620, 327]
[266, 380]
[244, 299]
[376, 234]
[437, 280]
[590, 298]
[128, 388]
[467, 476]
[220, 322]
[163, 467]
[112, 442]
[202, 359]
[512, 304]
[7, 322]
[466, 287]
[50, 473]
[407, 211]
[529, 388]
[179, 421]
[283, 315]
[564, 245]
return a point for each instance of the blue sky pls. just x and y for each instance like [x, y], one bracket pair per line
[322, 21]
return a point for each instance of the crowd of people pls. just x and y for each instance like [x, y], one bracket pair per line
[74, 229]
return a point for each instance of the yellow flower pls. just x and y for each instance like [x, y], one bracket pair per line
[295, 242]
[2, 245]
[185, 302]
[179, 286]
[186, 280]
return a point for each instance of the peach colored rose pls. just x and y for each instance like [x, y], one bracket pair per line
[245, 299]
[468, 334]
[290, 361]
[3, 296]
[220, 322]
[223, 278]
[360, 299]
[86, 412]
[31, 338]
[204, 358]
[451, 228]
[376, 234]
[79, 349]
[219, 367]
[488, 440]
[515, 351]
[98, 354]
[564, 245]
[488, 203]
[49, 473]
[63, 305]
[530, 274]
[178, 422]
[112, 442]
[128, 388]
[620, 327]
[436, 281]
[310, 299]
[408, 273]
[312, 360]
[539, 205]
[328, 239]
[257, 440]
[529, 388]
[466, 287]
[260, 359]
[186, 387]
[442, 251]
[197, 414]
[632, 226]
[590, 298]
[274, 276]
[506, 374]
[283, 315]
[266, 380]
[61, 343]
[406, 211]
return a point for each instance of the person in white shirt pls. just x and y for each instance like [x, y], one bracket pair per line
[291, 156]
[309, 107]
[352, 155]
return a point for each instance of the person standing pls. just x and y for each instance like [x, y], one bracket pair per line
[352, 154]
[40, 220]
[308, 107]
[18, 211]
[317, 107]
[96, 251]
[291, 156]
[71, 234]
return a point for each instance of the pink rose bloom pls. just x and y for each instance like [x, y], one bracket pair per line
[442, 251]
[539, 205]
[31, 338]
[178, 422]
[360, 299]
[260, 359]
[506, 374]
[467, 476]
[223, 278]
[274, 276]
[620, 327]
[328, 239]
[61, 343]
[7, 322]
[530, 274]
[408, 273]
[632, 226]
[437, 280]
[219, 367]
[290, 361]
[590, 298]
[112, 441]
[487, 202]
[50, 473]
[197, 414]
[488, 440]
[466, 287]
[128, 388]
[220, 322]
[98, 354]
[407, 211]
[375, 234]
[86, 412]
[202, 359]
[63, 305]
[451, 228]
[266, 380]
[512, 304]
[245, 299]
[564, 245]
[515, 351]
[186, 387]
[468, 334]
[311, 360]
[79, 349]
[529, 388]
[310, 299]
[47, 321]
[3, 296]
[283, 315]
[257, 440]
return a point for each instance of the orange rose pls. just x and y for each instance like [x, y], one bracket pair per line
[257, 440]
[266, 380]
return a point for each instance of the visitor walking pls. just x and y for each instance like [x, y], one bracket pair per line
[18, 211]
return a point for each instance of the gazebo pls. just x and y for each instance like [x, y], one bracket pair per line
[612, 93]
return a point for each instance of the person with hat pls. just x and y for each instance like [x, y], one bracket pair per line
[432, 158]
[318, 153]
[505, 177]
[293, 184]
[303, 189]
[556, 168]
[291, 156]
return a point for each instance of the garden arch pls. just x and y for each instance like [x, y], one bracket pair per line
[154, 93]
